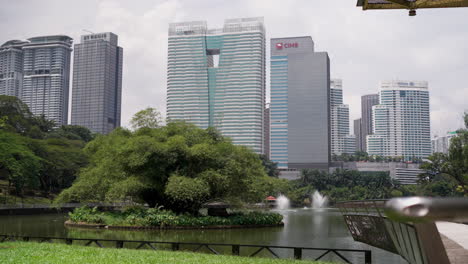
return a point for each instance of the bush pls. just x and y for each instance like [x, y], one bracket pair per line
[156, 217]
[86, 215]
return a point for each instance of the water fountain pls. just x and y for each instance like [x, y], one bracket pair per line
[283, 203]
[319, 201]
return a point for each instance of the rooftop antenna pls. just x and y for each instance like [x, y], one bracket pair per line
[85, 30]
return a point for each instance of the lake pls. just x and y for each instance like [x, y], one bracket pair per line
[303, 228]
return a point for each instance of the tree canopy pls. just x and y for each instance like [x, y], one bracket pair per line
[149, 118]
[34, 154]
[178, 165]
[453, 166]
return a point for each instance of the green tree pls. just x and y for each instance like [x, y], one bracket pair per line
[72, 132]
[18, 164]
[138, 166]
[454, 165]
[61, 161]
[149, 118]
[271, 167]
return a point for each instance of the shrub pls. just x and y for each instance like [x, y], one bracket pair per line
[86, 215]
[163, 218]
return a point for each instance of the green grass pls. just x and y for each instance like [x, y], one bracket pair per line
[31, 252]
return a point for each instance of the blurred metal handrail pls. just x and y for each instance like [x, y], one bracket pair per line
[427, 209]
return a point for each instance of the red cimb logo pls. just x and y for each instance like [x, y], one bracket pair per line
[280, 46]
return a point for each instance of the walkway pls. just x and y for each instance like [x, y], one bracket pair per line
[455, 239]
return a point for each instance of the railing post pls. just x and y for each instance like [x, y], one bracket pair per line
[297, 253]
[68, 241]
[119, 244]
[368, 257]
[235, 250]
[175, 246]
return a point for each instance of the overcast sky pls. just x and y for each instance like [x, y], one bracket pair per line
[365, 47]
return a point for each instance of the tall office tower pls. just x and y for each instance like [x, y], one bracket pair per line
[97, 83]
[300, 104]
[266, 143]
[339, 120]
[367, 102]
[216, 77]
[11, 68]
[357, 134]
[47, 76]
[401, 122]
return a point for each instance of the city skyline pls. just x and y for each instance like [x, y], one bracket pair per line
[354, 57]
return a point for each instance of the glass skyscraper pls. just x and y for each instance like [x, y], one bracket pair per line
[46, 67]
[216, 77]
[97, 83]
[401, 122]
[300, 104]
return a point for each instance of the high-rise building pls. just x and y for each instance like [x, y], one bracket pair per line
[442, 143]
[266, 137]
[349, 144]
[46, 68]
[401, 122]
[300, 104]
[340, 139]
[357, 134]
[11, 68]
[216, 77]
[97, 83]
[367, 102]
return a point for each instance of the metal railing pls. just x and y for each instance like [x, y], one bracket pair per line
[235, 249]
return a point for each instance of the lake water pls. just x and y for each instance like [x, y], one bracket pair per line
[303, 228]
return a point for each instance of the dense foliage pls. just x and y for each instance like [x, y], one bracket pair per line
[447, 172]
[157, 217]
[33, 154]
[178, 165]
[341, 185]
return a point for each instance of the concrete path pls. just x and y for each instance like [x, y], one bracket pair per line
[455, 239]
[456, 232]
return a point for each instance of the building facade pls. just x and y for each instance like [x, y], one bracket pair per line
[97, 83]
[340, 138]
[401, 122]
[46, 68]
[11, 68]
[216, 77]
[357, 134]
[442, 143]
[367, 102]
[300, 104]
[266, 137]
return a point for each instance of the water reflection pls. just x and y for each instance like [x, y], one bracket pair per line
[303, 228]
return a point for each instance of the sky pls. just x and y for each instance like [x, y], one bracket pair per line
[365, 47]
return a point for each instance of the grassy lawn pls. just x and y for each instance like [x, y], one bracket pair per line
[30, 252]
